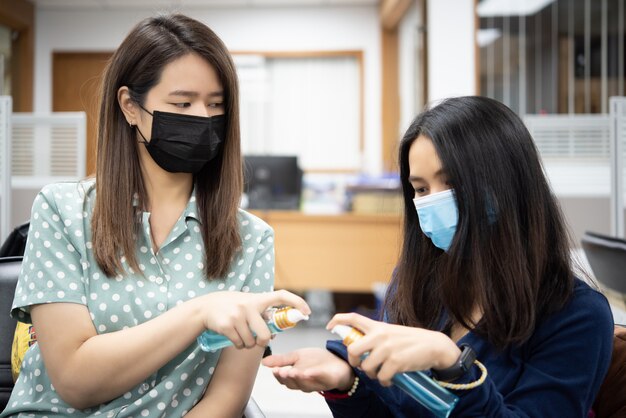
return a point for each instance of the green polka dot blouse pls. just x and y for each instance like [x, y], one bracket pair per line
[59, 266]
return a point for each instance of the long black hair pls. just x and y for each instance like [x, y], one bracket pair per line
[510, 253]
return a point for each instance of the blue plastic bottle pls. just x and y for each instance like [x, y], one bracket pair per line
[419, 386]
[279, 319]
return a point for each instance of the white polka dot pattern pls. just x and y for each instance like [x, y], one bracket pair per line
[59, 266]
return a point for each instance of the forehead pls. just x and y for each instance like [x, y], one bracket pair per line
[190, 72]
[423, 158]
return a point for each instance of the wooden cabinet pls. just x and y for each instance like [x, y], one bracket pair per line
[343, 253]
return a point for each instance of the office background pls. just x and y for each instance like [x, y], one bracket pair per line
[335, 83]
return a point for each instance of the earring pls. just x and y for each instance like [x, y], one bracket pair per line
[130, 124]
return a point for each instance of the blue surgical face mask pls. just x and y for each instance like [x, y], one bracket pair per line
[438, 216]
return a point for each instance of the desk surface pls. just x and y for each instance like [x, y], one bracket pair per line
[344, 253]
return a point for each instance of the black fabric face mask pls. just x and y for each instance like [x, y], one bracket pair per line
[184, 143]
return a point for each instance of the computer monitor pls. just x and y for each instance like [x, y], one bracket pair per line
[272, 182]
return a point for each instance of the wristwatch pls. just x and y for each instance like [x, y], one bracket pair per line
[459, 368]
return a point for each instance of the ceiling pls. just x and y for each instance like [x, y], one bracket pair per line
[140, 4]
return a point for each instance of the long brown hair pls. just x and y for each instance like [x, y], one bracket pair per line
[138, 64]
[510, 253]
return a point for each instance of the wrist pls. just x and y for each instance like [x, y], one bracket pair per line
[459, 368]
[338, 394]
[196, 312]
[347, 382]
[446, 354]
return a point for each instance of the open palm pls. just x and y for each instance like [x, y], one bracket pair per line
[310, 369]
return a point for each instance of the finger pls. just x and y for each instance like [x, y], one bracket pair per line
[282, 297]
[386, 373]
[353, 358]
[370, 369]
[292, 384]
[233, 336]
[280, 360]
[259, 327]
[354, 320]
[377, 354]
[282, 372]
[243, 329]
[361, 348]
[276, 371]
[298, 380]
[372, 364]
[354, 361]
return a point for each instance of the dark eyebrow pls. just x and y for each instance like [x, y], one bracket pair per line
[193, 94]
[184, 93]
[439, 173]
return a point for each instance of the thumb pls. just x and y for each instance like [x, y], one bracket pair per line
[354, 320]
[283, 297]
[280, 360]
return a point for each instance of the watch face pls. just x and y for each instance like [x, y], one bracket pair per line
[463, 364]
[468, 355]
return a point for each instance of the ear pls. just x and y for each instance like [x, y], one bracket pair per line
[128, 105]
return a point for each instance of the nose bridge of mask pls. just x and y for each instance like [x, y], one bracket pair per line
[433, 199]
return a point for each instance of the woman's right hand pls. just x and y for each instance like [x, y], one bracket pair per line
[237, 315]
[311, 370]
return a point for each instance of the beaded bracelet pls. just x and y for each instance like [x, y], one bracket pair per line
[466, 386]
[341, 395]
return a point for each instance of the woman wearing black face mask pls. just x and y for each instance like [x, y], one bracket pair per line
[124, 271]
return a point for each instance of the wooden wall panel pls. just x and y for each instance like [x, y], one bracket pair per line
[19, 15]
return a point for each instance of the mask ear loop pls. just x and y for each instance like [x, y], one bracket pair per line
[145, 141]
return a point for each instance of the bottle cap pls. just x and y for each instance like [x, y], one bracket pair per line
[347, 333]
[288, 317]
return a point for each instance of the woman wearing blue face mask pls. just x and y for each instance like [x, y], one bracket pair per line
[484, 274]
[123, 272]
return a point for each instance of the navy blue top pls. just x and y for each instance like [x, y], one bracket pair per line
[557, 372]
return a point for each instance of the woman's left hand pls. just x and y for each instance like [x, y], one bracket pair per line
[394, 348]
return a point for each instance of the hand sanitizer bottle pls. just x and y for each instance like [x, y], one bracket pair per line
[278, 320]
[416, 384]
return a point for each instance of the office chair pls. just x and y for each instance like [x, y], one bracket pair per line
[607, 258]
[611, 399]
[16, 241]
[9, 271]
